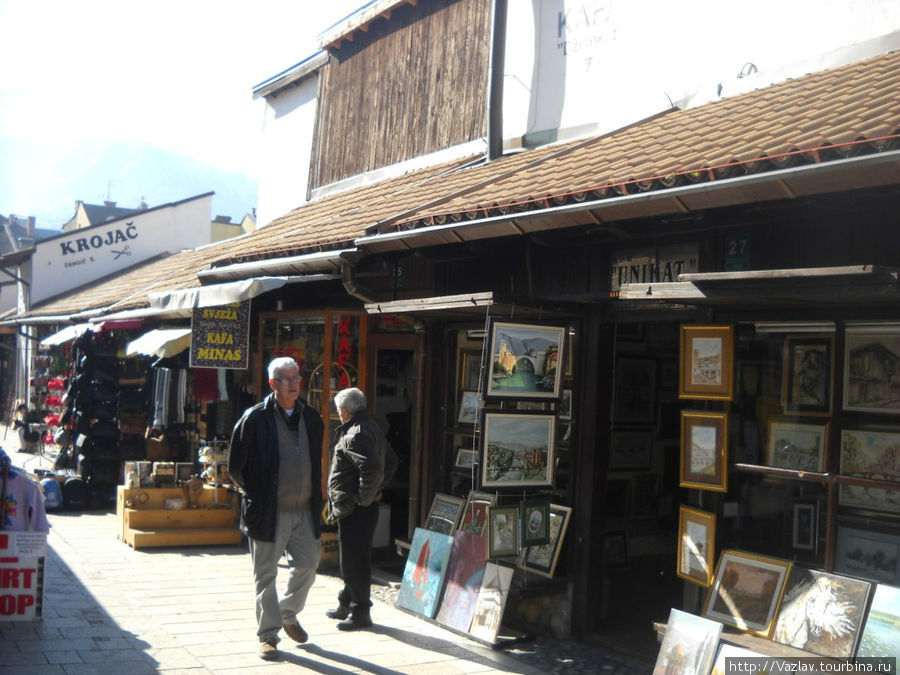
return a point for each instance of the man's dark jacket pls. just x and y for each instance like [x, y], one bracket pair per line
[362, 462]
[253, 466]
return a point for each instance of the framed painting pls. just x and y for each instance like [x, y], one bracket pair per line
[635, 390]
[871, 359]
[805, 528]
[423, 576]
[565, 405]
[465, 571]
[704, 450]
[796, 446]
[808, 374]
[474, 518]
[615, 549]
[469, 407]
[503, 531]
[518, 449]
[870, 454]
[524, 361]
[535, 526]
[746, 591]
[465, 459]
[469, 370]
[881, 636]
[689, 645]
[696, 545]
[491, 602]
[867, 553]
[707, 362]
[542, 560]
[445, 513]
[631, 450]
[822, 612]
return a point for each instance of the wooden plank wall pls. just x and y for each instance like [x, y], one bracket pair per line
[411, 85]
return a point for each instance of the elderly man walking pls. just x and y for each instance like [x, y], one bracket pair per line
[358, 474]
[275, 458]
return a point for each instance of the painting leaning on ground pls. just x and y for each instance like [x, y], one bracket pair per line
[881, 636]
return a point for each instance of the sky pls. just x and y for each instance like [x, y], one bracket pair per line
[131, 100]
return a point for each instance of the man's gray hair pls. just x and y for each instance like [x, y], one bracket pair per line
[352, 400]
[279, 364]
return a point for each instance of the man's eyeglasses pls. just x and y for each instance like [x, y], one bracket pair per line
[289, 380]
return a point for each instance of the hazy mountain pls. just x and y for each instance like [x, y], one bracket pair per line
[46, 184]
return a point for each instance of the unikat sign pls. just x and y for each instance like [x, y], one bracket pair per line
[21, 577]
[220, 336]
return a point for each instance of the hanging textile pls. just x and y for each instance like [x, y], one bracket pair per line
[22, 500]
[169, 394]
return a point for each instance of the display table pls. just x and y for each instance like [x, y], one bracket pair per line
[142, 521]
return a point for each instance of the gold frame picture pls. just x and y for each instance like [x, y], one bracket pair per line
[707, 362]
[704, 450]
[696, 545]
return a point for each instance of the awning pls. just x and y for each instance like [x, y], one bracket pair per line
[467, 305]
[161, 342]
[215, 295]
[65, 335]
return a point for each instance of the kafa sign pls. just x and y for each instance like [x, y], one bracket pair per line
[21, 577]
[220, 336]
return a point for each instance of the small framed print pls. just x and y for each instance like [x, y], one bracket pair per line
[535, 513]
[475, 515]
[445, 513]
[747, 591]
[870, 355]
[808, 374]
[542, 559]
[615, 549]
[469, 370]
[707, 362]
[631, 450]
[469, 407]
[805, 526]
[503, 531]
[565, 405]
[465, 459]
[525, 361]
[796, 446]
[704, 456]
[870, 454]
[696, 545]
[519, 449]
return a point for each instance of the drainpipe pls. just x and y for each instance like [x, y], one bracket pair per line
[354, 289]
[495, 80]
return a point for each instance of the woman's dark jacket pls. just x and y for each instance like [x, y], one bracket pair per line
[253, 466]
[358, 468]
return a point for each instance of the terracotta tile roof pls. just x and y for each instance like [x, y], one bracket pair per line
[854, 109]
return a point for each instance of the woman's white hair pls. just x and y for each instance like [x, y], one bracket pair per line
[352, 400]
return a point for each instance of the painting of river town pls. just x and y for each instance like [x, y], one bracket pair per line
[518, 449]
[525, 361]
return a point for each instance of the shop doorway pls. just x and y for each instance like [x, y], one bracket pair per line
[393, 405]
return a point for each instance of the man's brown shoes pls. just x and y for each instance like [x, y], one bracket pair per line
[295, 632]
[268, 651]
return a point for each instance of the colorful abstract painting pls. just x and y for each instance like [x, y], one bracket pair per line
[423, 577]
[466, 570]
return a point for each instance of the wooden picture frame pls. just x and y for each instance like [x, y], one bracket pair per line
[631, 450]
[871, 357]
[503, 531]
[805, 525]
[706, 369]
[868, 553]
[704, 450]
[696, 545]
[615, 549]
[790, 445]
[525, 361]
[863, 450]
[445, 513]
[469, 407]
[808, 374]
[518, 449]
[475, 513]
[535, 515]
[635, 389]
[746, 591]
[469, 370]
[542, 560]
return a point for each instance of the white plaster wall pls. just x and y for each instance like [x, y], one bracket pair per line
[590, 66]
[62, 263]
[289, 125]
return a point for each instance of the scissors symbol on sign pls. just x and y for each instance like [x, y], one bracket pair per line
[119, 254]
